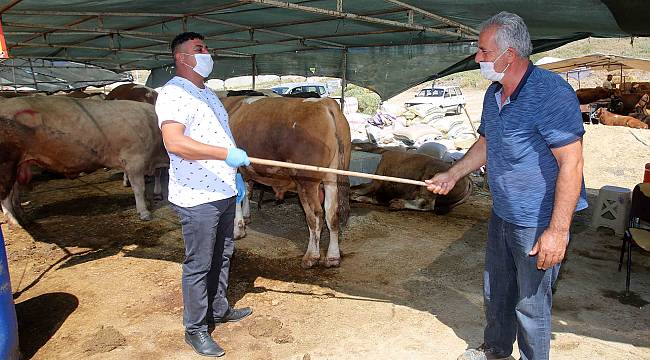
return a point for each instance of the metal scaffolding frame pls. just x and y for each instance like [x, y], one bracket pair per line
[91, 26]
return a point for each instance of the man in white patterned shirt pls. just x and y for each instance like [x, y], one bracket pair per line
[203, 188]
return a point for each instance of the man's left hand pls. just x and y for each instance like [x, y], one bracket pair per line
[240, 184]
[550, 248]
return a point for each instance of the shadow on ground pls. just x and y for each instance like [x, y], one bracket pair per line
[106, 224]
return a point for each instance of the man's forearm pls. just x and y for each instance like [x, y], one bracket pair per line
[567, 192]
[473, 159]
[190, 149]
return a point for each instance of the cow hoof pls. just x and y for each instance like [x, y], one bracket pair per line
[396, 204]
[308, 263]
[146, 216]
[332, 262]
[157, 197]
[239, 234]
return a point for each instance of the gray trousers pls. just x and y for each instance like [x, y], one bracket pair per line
[208, 235]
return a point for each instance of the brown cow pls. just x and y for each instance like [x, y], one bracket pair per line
[641, 106]
[623, 104]
[589, 95]
[302, 131]
[133, 92]
[607, 118]
[70, 136]
[80, 94]
[404, 196]
[13, 94]
[640, 87]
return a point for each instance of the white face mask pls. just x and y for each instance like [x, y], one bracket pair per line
[203, 65]
[488, 72]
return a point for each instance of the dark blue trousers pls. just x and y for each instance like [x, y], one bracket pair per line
[208, 235]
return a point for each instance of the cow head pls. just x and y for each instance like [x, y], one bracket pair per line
[599, 112]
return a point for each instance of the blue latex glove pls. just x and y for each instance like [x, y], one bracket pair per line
[241, 187]
[237, 157]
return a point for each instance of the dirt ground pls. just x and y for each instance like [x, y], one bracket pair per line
[91, 281]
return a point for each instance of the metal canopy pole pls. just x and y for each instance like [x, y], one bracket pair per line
[368, 19]
[344, 78]
[431, 15]
[622, 80]
[273, 32]
[31, 68]
[9, 6]
[578, 80]
[254, 70]
[13, 70]
[474, 131]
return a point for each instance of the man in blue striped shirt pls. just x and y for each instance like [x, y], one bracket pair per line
[531, 138]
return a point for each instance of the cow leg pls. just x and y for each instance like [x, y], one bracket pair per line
[333, 258]
[415, 204]
[125, 180]
[365, 189]
[240, 223]
[138, 186]
[246, 204]
[308, 195]
[260, 198]
[11, 208]
[157, 187]
[364, 193]
[364, 199]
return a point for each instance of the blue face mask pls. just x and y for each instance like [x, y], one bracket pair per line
[488, 72]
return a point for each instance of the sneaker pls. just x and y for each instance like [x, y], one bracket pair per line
[203, 344]
[234, 315]
[483, 353]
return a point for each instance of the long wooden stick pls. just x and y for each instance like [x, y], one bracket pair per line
[334, 171]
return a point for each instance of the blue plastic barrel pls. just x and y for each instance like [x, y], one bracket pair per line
[8, 324]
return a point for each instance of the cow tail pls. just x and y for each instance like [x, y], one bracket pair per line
[343, 181]
[343, 184]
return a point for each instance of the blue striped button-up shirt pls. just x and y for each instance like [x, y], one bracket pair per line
[541, 114]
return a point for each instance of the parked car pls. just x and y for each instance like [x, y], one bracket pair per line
[301, 87]
[448, 98]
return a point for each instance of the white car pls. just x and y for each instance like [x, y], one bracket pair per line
[448, 98]
[295, 88]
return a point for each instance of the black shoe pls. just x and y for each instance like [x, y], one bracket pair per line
[234, 315]
[203, 344]
[483, 353]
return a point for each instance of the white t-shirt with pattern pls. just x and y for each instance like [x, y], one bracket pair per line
[196, 182]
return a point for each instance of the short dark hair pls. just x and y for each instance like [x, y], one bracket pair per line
[183, 37]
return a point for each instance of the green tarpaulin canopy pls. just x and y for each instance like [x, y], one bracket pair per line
[387, 45]
[55, 75]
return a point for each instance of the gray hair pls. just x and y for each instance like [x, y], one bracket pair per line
[511, 32]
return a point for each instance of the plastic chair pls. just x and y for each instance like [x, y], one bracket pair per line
[612, 209]
[638, 231]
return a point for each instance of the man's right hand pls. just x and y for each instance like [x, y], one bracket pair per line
[441, 183]
[237, 157]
